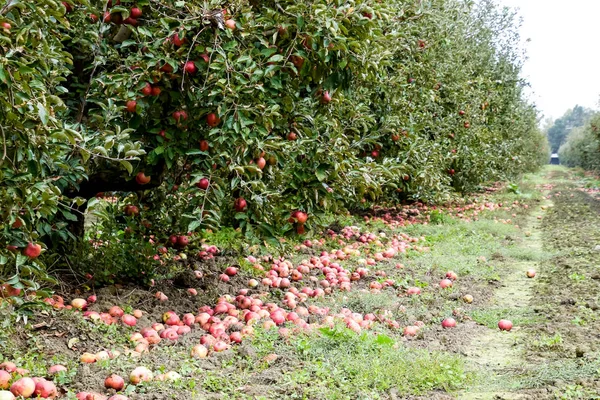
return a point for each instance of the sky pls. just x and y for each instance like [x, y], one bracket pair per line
[563, 65]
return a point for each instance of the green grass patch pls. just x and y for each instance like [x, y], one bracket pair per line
[519, 317]
[342, 364]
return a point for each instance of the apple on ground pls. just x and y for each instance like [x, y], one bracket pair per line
[449, 323]
[505, 325]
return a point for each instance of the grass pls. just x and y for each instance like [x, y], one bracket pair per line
[342, 365]
[519, 317]
[566, 370]
[458, 247]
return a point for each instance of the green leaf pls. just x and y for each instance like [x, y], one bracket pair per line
[321, 173]
[384, 340]
[276, 58]
[43, 114]
[127, 165]
[192, 226]
[68, 215]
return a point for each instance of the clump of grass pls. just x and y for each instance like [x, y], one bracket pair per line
[519, 317]
[359, 364]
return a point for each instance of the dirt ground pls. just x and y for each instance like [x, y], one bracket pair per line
[551, 353]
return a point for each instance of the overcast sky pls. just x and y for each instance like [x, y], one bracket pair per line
[564, 57]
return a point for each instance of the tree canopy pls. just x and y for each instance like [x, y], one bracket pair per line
[203, 114]
[560, 129]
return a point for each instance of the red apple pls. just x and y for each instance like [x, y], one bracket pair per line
[90, 396]
[451, 275]
[129, 320]
[531, 273]
[190, 67]
[505, 325]
[203, 184]
[88, 358]
[131, 210]
[45, 389]
[445, 283]
[240, 204]
[413, 290]
[156, 91]
[170, 318]
[23, 387]
[231, 271]
[292, 136]
[8, 366]
[140, 374]
[32, 250]
[199, 351]
[220, 346]
[147, 90]
[180, 116]
[131, 106]
[116, 311]
[6, 26]
[204, 145]
[117, 397]
[5, 378]
[261, 163]
[178, 39]
[135, 13]
[212, 120]
[449, 323]
[142, 179]
[79, 304]
[114, 382]
[55, 369]
[301, 217]
[411, 330]
[326, 97]
[182, 241]
[230, 24]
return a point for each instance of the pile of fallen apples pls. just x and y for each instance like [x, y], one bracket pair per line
[19, 384]
[232, 319]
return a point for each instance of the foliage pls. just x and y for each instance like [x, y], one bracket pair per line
[560, 130]
[425, 99]
[582, 146]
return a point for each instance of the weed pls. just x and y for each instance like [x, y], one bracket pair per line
[549, 342]
[577, 277]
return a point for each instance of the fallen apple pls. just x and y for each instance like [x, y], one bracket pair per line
[531, 273]
[449, 323]
[505, 325]
[114, 382]
[140, 374]
[23, 387]
[5, 378]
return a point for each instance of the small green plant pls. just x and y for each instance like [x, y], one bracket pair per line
[513, 188]
[548, 342]
[577, 277]
[437, 217]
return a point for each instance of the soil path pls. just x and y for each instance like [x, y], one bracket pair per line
[497, 356]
